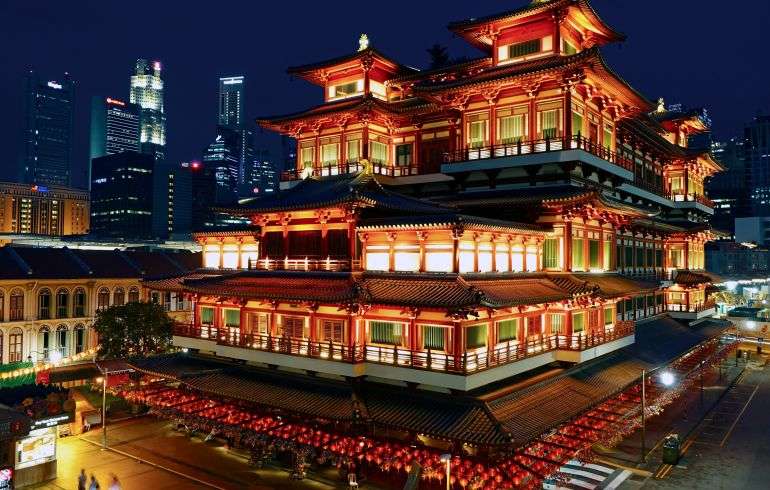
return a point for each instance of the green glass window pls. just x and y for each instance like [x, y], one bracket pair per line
[629, 256]
[385, 333]
[639, 257]
[577, 254]
[207, 315]
[607, 137]
[609, 316]
[557, 322]
[478, 134]
[549, 121]
[551, 253]
[649, 257]
[433, 337]
[476, 336]
[577, 124]
[578, 322]
[232, 318]
[607, 254]
[658, 257]
[512, 129]
[378, 152]
[508, 329]
[629, 305]
[523, 49]
[593, 254]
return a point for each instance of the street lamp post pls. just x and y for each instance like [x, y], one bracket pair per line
[447, 459]
[644, 409]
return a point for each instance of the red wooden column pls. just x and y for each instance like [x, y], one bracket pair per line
[568, 246]
[413, 344]
[416, 160]
[567, 109]
[274, 319]
[365, 141]
[456, 235]
[421, 237]
[391, 251]
[524, 254]
[458, 348]
[243, 326]
[509, 241]
[494, 252]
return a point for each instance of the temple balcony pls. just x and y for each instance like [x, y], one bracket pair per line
[338, 168]
[304, 264]
[693, 201]
[538, 152]
[466, 371]
[694, 311]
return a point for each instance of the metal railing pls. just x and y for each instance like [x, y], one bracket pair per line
[699, 198]
[398, 356]
[304, 264]
[329, 169]
[539, 146]
[692, 308]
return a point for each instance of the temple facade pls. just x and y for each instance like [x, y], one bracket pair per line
[454, 227]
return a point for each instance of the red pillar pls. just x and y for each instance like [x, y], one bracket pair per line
[457, 350]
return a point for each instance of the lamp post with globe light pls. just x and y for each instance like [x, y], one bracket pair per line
[447, 459]
[667, 379]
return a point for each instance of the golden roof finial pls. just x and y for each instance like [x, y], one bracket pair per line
[366, 166]
[661, 105]
[363, 42]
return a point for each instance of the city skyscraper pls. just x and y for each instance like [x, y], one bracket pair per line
[231, 95]
[222, 156]
[147, 93]
[48, 132]
[114, 127]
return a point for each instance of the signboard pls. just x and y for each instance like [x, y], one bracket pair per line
[6, 478]
[53, 421]
[38, 448]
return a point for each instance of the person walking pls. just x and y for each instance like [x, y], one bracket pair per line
[82, 479]
[114, 484]
[94, 484]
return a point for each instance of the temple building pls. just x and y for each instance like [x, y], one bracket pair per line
[448, 230]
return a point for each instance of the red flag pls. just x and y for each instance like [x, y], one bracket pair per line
[43, 377]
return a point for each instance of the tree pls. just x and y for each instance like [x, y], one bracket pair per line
[439, 56]
[133, 329]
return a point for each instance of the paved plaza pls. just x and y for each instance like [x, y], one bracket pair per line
[146, 454]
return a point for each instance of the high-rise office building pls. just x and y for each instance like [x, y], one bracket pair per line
[172, 200]
[48, 131]
[147, 93]
[231, 96]
[114, 127]
[755, 155]
[122, 190]
[222, 156]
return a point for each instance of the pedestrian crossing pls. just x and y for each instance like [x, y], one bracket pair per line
[576, 475]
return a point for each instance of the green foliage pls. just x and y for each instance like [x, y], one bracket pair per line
[133, 329]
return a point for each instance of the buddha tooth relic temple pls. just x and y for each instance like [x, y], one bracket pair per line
[470, 256]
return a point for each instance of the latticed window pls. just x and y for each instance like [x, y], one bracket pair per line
[577, 121]
[293, 326]
[378, 152]
[103, 298]
[133, 295]
[353, 150]
[523, 49]
[44, 305]
[15, 343]
[477, 133]
[508, 329]
[207, 315]
[79, 303]
[512, 129]
[119, 298]
[404, 155]
[308, 156]
[476, 336]
[333, 330]
[329, 154]
[549, 123]
[556, 321]
[16, 306]
[607, 254]
[385, 332]
[433, 337]
[62, 303]
[80, 338]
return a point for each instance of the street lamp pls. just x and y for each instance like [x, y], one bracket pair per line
[447, 458]
[667, 379]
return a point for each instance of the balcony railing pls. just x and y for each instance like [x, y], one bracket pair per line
[692, 308]
[538, 146]
[334, 168]
[305, 264]
[699, 198]
[431, 360]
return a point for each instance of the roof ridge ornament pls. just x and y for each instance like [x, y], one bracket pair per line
[363, 43]
[661, 106]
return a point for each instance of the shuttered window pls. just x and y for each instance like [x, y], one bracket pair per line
[593, 254]
[477, 134]
[385, 332]
[353, 150]
[556, 321]
[577, 254]
[293, 326]
[433, 337]
[476, 336]
[523, 49]
[549, 124]
[551, 253]
[508, 329]
[512, 129]
[378, 152]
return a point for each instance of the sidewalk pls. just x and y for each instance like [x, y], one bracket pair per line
[681, 417]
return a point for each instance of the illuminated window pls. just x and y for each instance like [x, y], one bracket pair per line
[353, 151]
[230, 256]
[520, 50]
[378, 152]
[477, 134]
[404, 155]
[531, 258]
[433, 337]
[347, 89]
[609, 316]
[577, 254]
[501, 257]
[517, 258]
[388, 333]
[377, 259]
[207, 315]
[594, 258]
[556, 323]
[485, 257]
[329, 154]
[466, 257]
[549, 123]
[308, 157]
[211, 256]
[332, 330]
[512, 128]
[438, 258]
[232, 318]
[578, 322]
[249, 255]
[551, 253]
[293, 326]
[407, 258]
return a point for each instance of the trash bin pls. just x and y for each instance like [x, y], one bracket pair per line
[671, 449]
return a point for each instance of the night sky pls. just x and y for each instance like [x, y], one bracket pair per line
[700, 53]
